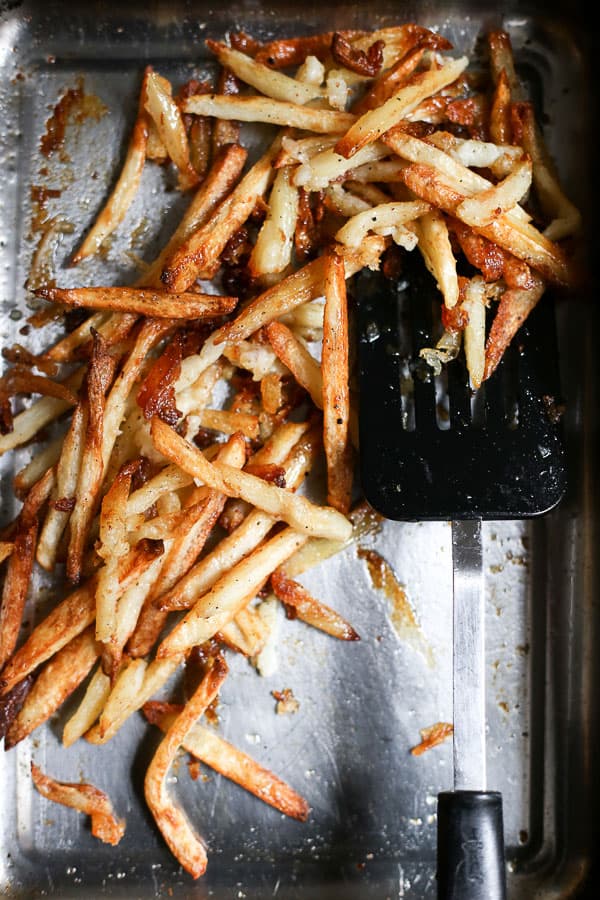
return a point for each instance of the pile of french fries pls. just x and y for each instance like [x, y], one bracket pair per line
[180, 522]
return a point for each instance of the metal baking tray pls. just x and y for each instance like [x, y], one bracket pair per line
[371, 832]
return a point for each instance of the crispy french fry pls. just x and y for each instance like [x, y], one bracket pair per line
[232, 763]
[336, 387]
[175, 827]
[201, 250]
[310, 610]
[156, 302]
[382, 219]
[86, 799]
[514, 307]
[483, 208]
[58, 679]
[296, 356]
[436, 249]
[6, 548]
[20, 566]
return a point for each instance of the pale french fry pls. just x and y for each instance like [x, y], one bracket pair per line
[156, 302]
[386, 217]
[335, 386]
[474, 331]
[232, 763]
[296, 356]
[175, 827]
[27, 423]
[301, 150]
[232, 592]
[328, 166]
[170, 478]
[483, 208]
[39, 464]
[246, 633]
[58, 679]
[113, 546]
[86, 799]
[271, 112]
[435, 247]
[294, 509]
[268, 81]
[230, 422]
[67, 472]
[89, 709]
[272, 251]
[375, 122]
[201, 250]
[165, 114]
[125, 189]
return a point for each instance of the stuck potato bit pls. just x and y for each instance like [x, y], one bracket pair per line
[286, 702]
[86, 799]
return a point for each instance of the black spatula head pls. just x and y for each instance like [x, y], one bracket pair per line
[429, 447]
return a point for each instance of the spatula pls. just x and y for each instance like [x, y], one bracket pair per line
[432, 450]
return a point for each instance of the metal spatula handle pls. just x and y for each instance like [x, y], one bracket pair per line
[470, 840]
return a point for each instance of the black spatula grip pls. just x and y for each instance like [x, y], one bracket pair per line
[470, 846]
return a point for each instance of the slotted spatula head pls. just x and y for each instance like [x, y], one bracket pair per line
[429, 447]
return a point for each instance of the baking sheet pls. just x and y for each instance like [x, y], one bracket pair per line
[371, 832]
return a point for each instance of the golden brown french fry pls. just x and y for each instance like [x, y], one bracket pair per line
[514, 307]
[6, 548]
[229, 761]
[271, 112]
[20, 566]
[229, 422]
[58, 679]
[145, 302]
[201, 250]
[126, 187]
[113, 545]
[297, 357]
[310, 610]
[86, 799]
[219, 181]
[336, 386]
[172, 822]
[500, 125]
[68, 619]
[486, 206]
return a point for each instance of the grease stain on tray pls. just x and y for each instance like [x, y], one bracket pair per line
[402, 615]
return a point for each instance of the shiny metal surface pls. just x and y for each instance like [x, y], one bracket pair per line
[371, 833]
[469, 664]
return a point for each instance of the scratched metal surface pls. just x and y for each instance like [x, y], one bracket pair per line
[371, 832]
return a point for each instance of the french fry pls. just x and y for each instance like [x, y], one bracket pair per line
[336, 387]
[310, 610]
[436, 249]
[269, 82]
[375, 122]
[86, 799]
[474, 331]
[272, 251]
[113, 546]
[20, 566]
[172, 822]
[68, 619]
[381, 219]
[6, 548]
[165, 114]
[271, 112]
[201, 250]
[38, 465]
[157, 303]
[126, 187]
[232, 592]
[294, 509]
[232, 763]
[58, 679]
[298, 359]
[483, 208]
[89, 709]
[514, 307]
